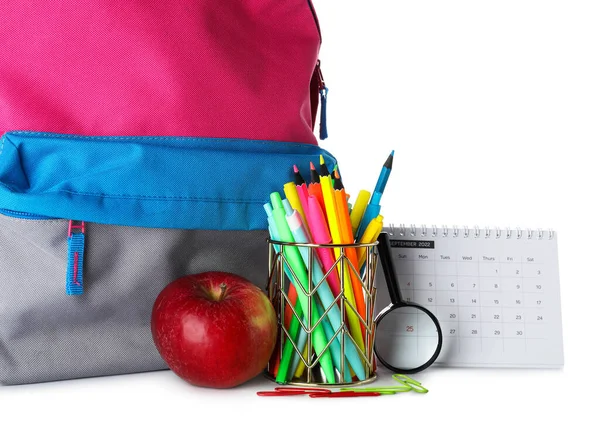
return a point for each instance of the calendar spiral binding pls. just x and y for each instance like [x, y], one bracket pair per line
[465, 232]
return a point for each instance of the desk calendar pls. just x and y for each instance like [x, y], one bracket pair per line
[495, 292]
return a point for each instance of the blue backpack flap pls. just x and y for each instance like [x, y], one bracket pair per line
[168, 182]
[114, 220]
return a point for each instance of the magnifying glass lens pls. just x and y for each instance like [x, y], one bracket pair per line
[406, 338]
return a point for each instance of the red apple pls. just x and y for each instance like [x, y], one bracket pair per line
[214, 329]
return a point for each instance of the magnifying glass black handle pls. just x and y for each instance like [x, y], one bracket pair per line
[387, 263]
[389, 271]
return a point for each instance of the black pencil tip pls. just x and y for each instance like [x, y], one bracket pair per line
[337, 184]
[324, 171]
[314, 176]
[389, 161]
[298, 179]
[337, 181]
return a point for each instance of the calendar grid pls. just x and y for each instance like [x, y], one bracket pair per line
[496, 295]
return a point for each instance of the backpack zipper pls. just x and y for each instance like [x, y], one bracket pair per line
[323, 90]
[75, 248]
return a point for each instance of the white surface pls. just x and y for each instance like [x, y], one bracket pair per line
[494, 108]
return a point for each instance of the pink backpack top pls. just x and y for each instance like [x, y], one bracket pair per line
[204, 68]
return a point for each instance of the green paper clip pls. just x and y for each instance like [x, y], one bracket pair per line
[406, 384]
[414, 385]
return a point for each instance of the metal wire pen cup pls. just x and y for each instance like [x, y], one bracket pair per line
[325, 336]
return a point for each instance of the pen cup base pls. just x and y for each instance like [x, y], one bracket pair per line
[369, 380]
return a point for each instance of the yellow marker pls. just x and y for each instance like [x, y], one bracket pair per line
[371, 233]
[301, 365]
[292, 195]
[330, 205]
[358, 210]
[334, 227]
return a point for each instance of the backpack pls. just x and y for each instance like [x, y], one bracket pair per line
[140, 142]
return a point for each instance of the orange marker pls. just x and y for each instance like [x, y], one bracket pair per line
[293, 295]
[347, 238]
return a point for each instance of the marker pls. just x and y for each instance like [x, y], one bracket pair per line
[371, 212]
[327, 299]
[294, 328]
[296, 361]
[347, 238]
[291, 193]
[320, 233]
[360, 205]
[292, 296]
[330, 208]
[371, 233]
[334, 228]
[294, 259]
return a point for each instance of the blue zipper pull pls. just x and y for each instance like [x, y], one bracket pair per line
[323, 93]
[75, 249]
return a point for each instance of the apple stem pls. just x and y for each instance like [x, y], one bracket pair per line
[223, 288]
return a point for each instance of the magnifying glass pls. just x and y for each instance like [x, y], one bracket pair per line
[408, 337]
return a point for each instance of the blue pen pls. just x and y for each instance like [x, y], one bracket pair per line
[385, 173]
[324, 291]
[374, 206]
[371, 212]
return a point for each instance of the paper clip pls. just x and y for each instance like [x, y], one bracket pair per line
[316, 392]
[415, 386]
[406, 384]
[293, 391]
[345, 394]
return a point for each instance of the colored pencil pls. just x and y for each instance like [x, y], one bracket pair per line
[314, 188]
[302, 192]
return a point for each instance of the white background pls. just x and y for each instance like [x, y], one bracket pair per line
[493, 109]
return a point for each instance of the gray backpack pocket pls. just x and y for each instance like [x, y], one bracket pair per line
[46, 335]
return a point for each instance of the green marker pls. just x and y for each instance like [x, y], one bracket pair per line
[293, 257]
[294, 328]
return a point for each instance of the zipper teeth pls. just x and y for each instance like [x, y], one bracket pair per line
[24, 215]
[314, 13]
[230, 141]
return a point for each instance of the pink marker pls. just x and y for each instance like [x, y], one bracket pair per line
[320, 234]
